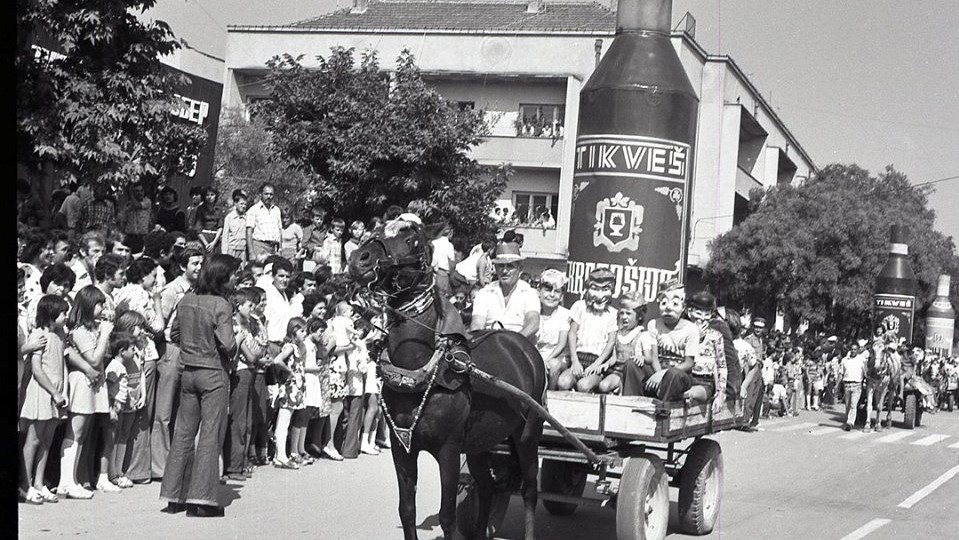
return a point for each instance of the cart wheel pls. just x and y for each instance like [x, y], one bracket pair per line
[642, 505]
[910, 414]
[563, 478]
[700, 482]
[467, 507]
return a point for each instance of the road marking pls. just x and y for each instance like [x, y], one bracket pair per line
[922, 493]
[954, 445]
[931, 440]
[854, 435]
[895, 437]
[861, 532]
[795, 427]
[824, 431]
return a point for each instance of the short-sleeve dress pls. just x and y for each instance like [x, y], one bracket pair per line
[313, 389]
[291, 392]
[38, 403]
[86, 398]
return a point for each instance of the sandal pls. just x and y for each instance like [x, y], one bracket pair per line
[33, 496]
[285, 464]
[48, 496]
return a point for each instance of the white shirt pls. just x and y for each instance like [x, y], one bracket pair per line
[593, 332]
[443, 253]
[854, 367]
[747, 354]
[83, 276]
[278, 310]
[491, 304]
[550, 328]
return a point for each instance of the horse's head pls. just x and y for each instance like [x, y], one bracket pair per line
[394, 264]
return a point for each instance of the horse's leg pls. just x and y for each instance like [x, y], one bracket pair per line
[880, 401]
[527, 451]
[479, 466]
[406, 474]
[448, 459]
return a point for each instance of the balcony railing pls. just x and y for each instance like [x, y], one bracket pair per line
[520, 151]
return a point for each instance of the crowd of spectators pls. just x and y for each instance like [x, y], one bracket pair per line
[191, 346]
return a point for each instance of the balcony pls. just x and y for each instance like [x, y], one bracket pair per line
[537, 242]
[541, 152]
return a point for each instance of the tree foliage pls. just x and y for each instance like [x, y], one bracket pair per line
[372, 139]
[815, 250]
[101, 110]
[244, 160]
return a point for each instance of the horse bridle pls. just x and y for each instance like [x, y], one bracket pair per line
[385, 268]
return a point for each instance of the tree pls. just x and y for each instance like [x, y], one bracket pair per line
[99, 109]
[370, 140]
[814, 250]
[244, 160]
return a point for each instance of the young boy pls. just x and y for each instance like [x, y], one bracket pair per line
[233, 240]
[332, 249]
[125, 383]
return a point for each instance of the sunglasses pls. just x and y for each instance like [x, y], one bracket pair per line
[546, 287]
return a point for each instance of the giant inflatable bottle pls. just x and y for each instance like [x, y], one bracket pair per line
[634, 156]
[941, 320]
[894, 302]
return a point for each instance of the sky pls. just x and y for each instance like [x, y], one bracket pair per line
[870, 82]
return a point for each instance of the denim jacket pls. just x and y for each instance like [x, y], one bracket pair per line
[203, 327]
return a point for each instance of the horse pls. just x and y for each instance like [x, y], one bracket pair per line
[464, 414]
[883, 384]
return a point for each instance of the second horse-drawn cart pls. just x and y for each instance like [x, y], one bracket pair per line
[635, 448]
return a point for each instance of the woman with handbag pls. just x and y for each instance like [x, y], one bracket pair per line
[203, 328]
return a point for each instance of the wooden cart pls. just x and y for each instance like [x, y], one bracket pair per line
[637, 447]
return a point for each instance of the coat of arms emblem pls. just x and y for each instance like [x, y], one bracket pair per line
[891, 324]
[618, 223]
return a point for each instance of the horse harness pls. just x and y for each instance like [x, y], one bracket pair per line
[447, 368]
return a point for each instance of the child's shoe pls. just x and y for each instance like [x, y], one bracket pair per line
[75, 492]
[49, 496]
[368, 448]
[107, 486]
[123, 482]
[33, 496]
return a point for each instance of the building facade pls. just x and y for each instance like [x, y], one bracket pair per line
[523, 64]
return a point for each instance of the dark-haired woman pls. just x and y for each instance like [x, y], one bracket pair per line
[203, 328]
[169, 215]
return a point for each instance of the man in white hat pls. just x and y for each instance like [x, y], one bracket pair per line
[508, 302]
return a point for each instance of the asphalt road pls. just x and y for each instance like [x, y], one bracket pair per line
[800, 477]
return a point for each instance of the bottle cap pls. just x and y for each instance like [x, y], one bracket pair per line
[897, 240]
[943, 288]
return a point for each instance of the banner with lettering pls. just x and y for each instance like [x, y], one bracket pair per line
[630, 204]
[895, 312]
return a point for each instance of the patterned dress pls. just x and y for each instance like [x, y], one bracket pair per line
[293, 391]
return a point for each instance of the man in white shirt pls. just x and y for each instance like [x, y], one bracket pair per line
[444, 256]
[852, 370]
[264, 225]
[278, 310]
[509, 302]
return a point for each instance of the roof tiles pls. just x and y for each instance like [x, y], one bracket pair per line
[487, 16]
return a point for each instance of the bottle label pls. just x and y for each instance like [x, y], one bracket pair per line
[940, 333]
[895, 312]
[630, 205]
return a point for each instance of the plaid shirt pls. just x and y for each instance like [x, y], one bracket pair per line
[98, 215]
[265, 222]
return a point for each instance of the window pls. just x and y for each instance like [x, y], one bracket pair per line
[540, 120]
[535, 209]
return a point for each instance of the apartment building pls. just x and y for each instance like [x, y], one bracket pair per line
[523, 63]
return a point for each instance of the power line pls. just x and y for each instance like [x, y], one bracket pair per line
[937, 181]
